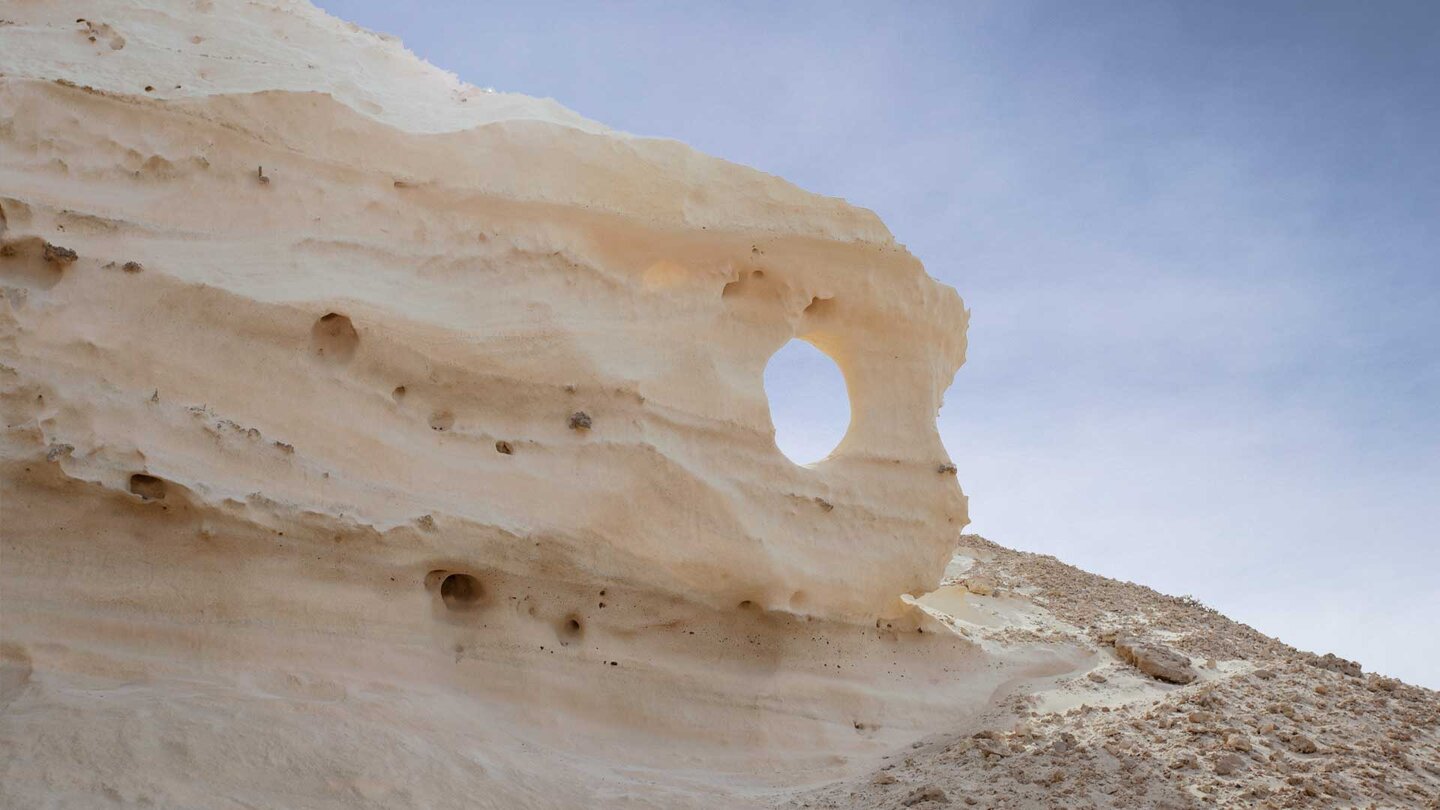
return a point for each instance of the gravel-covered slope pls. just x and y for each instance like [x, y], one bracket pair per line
[1262, 725]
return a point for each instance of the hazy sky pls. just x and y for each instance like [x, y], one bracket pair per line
[1201, 243]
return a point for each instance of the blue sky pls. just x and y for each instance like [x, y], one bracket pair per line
[1201, 243]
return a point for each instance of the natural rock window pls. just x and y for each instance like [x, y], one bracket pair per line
[809, 404]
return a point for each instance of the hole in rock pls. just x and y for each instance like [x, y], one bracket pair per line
[442, 420]
[809, 404]
[460, 591]
[570, 629]
[147, 486]
[334, 338]
[956, 418]
[398, 394]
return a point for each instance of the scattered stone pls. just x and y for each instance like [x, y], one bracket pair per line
[1065, 744]
[1154, 659]
[1226, 764]
[928, 793]
[883, 778]
[1097, 677]
[947, 469]
[1379, 683]
[580, 420]
[1335, 663]
[132, 267]
[824, 504]
[980, 586]
[1302, 744]
[993, 747]
[1265, 674]
[1184, 759]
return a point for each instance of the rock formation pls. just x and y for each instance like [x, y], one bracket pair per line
[374, 440]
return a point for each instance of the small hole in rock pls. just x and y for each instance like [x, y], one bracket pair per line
[442, 420]
[398, 394]
[461, 591]
[570, 629]
[504, 448]
[333, 338]
[147, 486]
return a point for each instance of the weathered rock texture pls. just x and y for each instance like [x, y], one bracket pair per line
[372, 439]
[390, 303]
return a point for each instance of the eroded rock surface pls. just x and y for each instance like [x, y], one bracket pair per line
[604, 303]
[372, 439]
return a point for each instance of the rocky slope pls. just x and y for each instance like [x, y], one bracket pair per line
[1261, 725]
